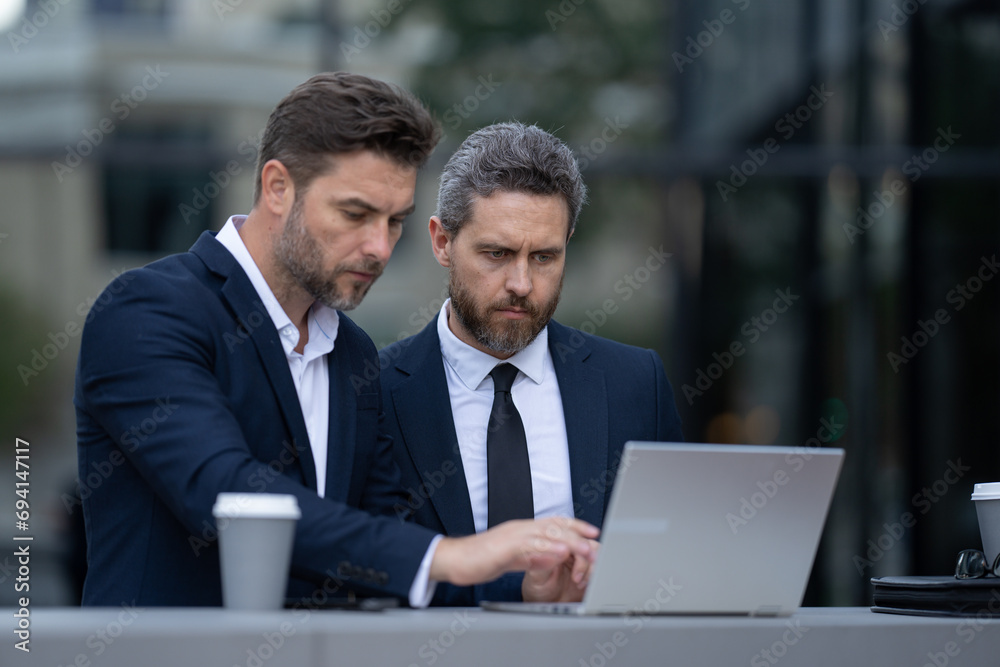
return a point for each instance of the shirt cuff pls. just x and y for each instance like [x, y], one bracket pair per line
[422, 589]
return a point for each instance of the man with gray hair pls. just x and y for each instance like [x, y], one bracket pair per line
[496, 411]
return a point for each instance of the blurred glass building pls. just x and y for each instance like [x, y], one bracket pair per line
[795, 203]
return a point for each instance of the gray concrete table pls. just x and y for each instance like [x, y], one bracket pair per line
[135, 637]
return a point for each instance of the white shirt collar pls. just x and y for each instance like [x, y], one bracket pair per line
[324, 322]
[473, 365]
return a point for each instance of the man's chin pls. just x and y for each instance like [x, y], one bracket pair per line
[337, 300]
[351, 296]
[354, 302]
[510, 339]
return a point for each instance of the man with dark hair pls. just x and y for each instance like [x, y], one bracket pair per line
[227, 368]
[496, 411]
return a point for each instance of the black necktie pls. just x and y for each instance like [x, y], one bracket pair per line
[508, 474]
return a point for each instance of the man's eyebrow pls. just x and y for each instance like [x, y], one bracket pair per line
[547, 251]
[357, 202]
[491, 245]
[407, 211]
[495, 245]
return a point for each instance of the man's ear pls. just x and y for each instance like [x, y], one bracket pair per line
[277, 191]
[441, 241]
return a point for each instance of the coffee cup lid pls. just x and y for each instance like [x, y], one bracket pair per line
[986, 491]
[257, 506]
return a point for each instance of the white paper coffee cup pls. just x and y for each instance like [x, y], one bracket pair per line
[256, 534]
[987, 499]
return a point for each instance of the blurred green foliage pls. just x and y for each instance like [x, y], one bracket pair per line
[564, 66]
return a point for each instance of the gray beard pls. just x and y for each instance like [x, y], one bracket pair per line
[508, 337]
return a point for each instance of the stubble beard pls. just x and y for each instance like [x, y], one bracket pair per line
[300, 256]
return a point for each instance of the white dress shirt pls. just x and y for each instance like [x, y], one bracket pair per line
[536, 396]
[310, 371]
[311, 375]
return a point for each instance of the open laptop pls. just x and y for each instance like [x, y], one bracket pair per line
[707, 529]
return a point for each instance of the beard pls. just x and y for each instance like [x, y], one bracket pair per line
[298, 252]
[505, 336]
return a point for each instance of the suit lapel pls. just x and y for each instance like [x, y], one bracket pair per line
[423, 410]
[344, 414]
[253, 321]
[585, 406]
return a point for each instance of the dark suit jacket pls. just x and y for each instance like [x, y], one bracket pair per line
[611, 393]
[183, 390]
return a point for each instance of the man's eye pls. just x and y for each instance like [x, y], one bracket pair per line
[543, 258]
[354, 215]
[496, 254]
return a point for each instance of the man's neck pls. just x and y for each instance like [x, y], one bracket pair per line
[259, 234]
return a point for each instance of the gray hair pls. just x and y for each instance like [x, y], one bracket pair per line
[510, 157]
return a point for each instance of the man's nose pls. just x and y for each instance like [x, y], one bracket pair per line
[378, 243]
[519, 278]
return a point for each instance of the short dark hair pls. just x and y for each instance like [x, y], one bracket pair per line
[510, 157]
[339, 112]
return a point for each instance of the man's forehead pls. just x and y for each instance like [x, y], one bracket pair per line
[390, 170]
[377, 183]
[515, 211]
[401, 176]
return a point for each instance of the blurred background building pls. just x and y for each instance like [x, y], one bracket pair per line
[795, 203]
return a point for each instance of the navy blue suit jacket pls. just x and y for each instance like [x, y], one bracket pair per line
[183, 390]
[611, 393]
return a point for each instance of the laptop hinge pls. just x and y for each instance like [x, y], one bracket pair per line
[768, 610]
